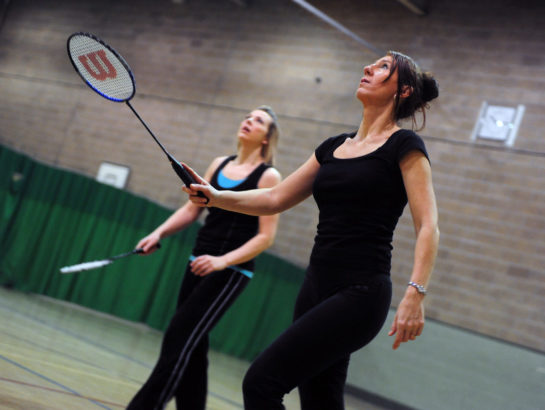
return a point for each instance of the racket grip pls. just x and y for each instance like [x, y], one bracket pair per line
[184, 175]
[141, 250]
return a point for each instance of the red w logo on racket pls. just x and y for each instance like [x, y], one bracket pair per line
[102, 67]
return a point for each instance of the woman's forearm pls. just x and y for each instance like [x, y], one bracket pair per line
[425, 252]
[249, 250]
[255, 202]
[179, 220]
[262, 240]
[263, 201]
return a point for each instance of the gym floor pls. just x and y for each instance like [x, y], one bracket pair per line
[56, 355]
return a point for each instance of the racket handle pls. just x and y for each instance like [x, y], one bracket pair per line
[184, 175]
[141, 250]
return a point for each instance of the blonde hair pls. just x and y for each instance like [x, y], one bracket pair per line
[268, 150]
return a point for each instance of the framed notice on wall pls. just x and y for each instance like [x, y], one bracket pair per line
[498, 123]
[113, 174]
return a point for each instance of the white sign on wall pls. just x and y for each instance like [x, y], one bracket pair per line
[113, 174]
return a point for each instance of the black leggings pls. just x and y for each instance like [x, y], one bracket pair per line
[313, 353]
[181, 369]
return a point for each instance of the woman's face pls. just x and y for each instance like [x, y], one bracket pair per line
[373, 86]
[254, 127]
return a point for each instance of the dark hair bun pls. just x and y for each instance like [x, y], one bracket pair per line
[430, 89]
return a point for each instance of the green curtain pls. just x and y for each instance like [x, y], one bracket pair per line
[51, 218]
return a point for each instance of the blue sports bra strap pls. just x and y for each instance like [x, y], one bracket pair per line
[214, 178]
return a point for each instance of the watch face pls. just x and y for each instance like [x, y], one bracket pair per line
[497, 122]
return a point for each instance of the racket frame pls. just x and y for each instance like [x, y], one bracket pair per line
[106, 261]
[115, 53]
[176, 165]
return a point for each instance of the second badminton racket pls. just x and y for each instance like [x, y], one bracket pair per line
[108, 74]
[100, 263]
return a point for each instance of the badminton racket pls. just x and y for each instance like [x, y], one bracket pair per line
[108, 74]
[100, 263]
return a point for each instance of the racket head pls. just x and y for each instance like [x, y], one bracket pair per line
[101, 67]
[85, 266]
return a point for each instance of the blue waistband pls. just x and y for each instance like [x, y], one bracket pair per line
[245, 272]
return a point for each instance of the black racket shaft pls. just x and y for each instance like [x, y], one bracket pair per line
[122, 255]
[178, 168]
[133, 252]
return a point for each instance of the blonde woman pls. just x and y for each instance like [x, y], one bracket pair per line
[219, 269]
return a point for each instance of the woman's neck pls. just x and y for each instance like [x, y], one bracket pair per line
[251, 156]
[377, 123]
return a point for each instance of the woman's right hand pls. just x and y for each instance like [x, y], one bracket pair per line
[203, 186]
[149, 243]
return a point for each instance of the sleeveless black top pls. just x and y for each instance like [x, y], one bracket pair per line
[360, 201]
[224, 230]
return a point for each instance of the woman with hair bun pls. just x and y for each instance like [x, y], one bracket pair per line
[361, 182]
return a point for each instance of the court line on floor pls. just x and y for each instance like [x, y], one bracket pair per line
[67, 369]
[49, 349]
[66, 390]
[58, 391]
[76, 336]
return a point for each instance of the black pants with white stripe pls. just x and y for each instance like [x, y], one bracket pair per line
[181, 370]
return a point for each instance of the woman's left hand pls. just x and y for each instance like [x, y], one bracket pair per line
[205, 264]
[409, 319]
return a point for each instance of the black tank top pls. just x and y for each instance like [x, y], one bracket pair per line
[223, 230]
